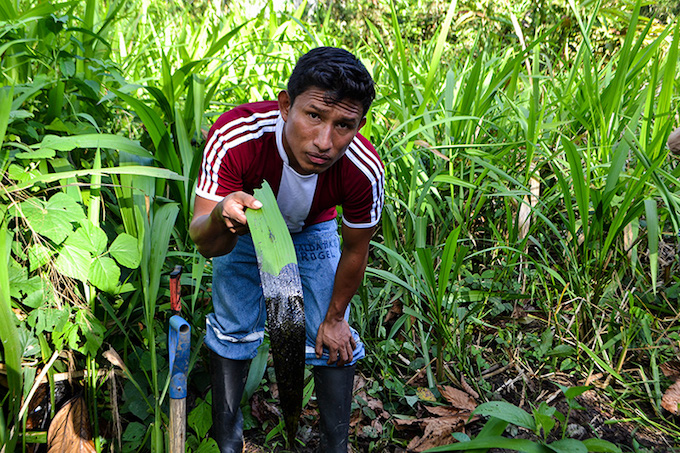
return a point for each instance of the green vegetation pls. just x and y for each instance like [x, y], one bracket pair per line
[529, 235]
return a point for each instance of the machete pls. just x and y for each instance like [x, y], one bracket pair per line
[282, 289]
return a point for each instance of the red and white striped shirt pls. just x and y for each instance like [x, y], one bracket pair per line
[245, 147]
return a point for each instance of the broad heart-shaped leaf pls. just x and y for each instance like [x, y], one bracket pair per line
[70, 429]
[568, 446]
[52, 219]
[104, 274]
[199, 418]
[125, 250]
[74, 262]
[88, 237]
[508, 412]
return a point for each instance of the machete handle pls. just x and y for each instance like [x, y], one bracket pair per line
[175, 290]
[179, 342]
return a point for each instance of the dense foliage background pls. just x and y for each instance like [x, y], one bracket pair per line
[528, 241]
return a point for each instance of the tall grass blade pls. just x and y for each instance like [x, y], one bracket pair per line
[652, 239]
[9, 333]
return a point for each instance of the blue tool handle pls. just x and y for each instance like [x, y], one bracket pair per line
[179, 342]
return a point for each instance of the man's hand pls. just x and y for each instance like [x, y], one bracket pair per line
[232, 209]
[216, 226]
[336, 336]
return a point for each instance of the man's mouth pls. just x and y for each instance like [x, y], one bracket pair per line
[318, 159]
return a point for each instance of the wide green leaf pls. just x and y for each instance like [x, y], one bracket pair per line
[108, 141]
[125, 250]
[89, 237]
[568, 446]
[74, 262]
[104, 274]
[141, 170]
[508, 412]
[601, 446]
[52, 219]
[486, 442]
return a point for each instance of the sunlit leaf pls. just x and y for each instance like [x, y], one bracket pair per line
[125, 250]
[74, 262]
[88, 237]
[508, 412]
[53, 219]
[104, 273]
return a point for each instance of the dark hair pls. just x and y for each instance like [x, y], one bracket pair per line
[335, 71]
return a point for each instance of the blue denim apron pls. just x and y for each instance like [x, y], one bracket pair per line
[236, 327]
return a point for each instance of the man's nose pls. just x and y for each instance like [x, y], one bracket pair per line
[323, 140]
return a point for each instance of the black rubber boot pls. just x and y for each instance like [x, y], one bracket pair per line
[334, 395]
[228, 381]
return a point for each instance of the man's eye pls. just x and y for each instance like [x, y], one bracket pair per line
[313, 115]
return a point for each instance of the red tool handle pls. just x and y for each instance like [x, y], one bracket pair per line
[175, 290]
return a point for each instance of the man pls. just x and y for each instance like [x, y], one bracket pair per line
[308, 147]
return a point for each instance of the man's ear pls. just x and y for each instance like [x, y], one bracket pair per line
[361, 123]
[284, 104]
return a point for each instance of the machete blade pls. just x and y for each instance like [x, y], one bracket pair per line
[282, 289]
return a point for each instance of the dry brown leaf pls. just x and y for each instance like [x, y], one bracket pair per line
[401, 423]
[70, 429]
[458, 398]
[442, 411]
[671, 369]
[112, 356]
[437, 432]
[671, 398]
[467, 388]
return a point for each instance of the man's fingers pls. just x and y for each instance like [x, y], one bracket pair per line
[318, 347]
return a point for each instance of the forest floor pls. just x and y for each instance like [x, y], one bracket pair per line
[434, 424]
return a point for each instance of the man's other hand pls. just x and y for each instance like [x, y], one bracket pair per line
[337, 337]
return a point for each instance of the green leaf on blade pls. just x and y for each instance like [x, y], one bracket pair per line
[568, 446]
[125, 250]
[104, 274]
[270, 233]
[508, 412]
[74, 262]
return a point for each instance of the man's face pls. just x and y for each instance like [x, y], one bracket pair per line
[317, 134]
